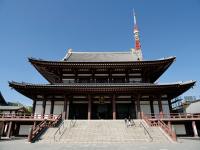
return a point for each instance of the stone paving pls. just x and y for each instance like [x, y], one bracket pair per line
[24, 145]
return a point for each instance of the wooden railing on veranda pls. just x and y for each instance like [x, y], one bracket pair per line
[35, 132]
[26, 116]
[173, 116]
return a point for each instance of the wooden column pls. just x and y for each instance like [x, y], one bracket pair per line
[151, 105]
[194, 127]
[133, 107]
[89, 107]
[34, 124]
[52, 107]
[170, 105]
[114, 106]
[138, 107]
[67, 112]
[65, 107]
[43, 107]
[34, 105]
[160, 106]
[2, 129]
[9, 129]
[169, 125]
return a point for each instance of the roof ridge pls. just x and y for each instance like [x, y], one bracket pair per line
[99, 52]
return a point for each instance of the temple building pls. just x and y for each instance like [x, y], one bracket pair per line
[102, 85]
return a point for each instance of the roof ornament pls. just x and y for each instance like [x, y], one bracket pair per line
[137, 50]
[69, 52]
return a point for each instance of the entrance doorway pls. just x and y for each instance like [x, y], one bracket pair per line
[78, 111]
[101, 111]
[124, 110]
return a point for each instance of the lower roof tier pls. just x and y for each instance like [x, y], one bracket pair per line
[144, 89]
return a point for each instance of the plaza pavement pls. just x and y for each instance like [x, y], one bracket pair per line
[22, 144]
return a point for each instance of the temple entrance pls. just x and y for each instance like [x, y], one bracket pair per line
[101, 111]
[125, 110]
[78, 111]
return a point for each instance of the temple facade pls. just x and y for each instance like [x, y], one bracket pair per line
[103, 85]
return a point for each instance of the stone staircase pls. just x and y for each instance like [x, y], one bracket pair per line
[103, 131]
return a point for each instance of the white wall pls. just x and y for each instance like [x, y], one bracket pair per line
[179, 129]
[58, 107]
[24, 129]
[38, 107]
[48, 107]
[165, 107]
[145, 107]
[193, 108]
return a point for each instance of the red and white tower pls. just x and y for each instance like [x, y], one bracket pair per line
[137, 50]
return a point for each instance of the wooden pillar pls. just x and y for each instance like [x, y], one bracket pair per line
[114, 107]
[43, 107]
[2, 129]
[89, 107]
[138, 107]
[194, 127]
[169, 125]
[170, 106]
[67, 112]
[9, 129]
[34, 124]
[151, 105]
[133, 108]
[52, 107]
[160, 107]
[34, 105]
[66, 107]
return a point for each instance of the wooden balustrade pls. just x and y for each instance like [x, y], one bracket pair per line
[27, 116]
[38, 130]
[161, 124]
[173, 116]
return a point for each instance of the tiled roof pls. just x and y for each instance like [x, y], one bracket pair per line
[101, 57]
[102, 84]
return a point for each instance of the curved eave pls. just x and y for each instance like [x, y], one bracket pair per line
[65, 63]
[173, 90]
[154, 74]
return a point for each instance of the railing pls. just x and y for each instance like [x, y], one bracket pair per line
[27, 116]
[64, 128]
[60, 128]
[146, 132]
[161, 124]
[35, 132]
[174, 116]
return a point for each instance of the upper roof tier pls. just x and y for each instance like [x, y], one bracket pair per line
[92, 65]
[100, 56]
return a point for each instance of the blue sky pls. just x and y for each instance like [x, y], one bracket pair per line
[46, 29]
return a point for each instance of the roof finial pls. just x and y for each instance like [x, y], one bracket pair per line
[69, 52]
[138, 49]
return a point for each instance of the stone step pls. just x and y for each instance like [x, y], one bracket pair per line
[103, 131]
